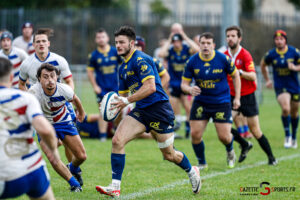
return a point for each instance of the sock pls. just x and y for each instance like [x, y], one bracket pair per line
[237, 137]
[199, 150]
[73, 182]
[102, 135]
[286, 125]
[116, 184]
[246, 128]
[229, 146]
[240, 130]
[117, 165]
[185, 163]
[294, 122]
[74, 169]
[187, 128]
[264, 144]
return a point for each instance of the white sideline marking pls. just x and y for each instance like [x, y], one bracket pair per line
[208, 176]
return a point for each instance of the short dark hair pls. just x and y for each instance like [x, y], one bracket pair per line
[43, 31]
[235, 28]
[47, 67]
[5, 67]
[207, 35]
[101, 30]
[127, 31]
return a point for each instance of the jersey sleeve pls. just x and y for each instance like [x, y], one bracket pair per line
[248, 63]
[297, 57]
[123, 88]
[160, 68]
[33, 107]
[23, 55]
[91, 62]
[68, 93]
[267, 58]
[144, 69]
[65, 69]
[229, 66]
[23, 75]
[188, 71]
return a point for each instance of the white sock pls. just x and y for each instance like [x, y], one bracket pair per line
[116, 184]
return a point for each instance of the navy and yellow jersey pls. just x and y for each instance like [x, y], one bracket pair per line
[105, 65]
[176, 63]
[138, 68]
[160, 68]
[283, 77]
[211, 76]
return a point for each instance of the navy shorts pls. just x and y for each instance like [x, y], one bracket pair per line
[34, 184]
[220, 113]
[100, 97]
[176, 91]
[249, 106]
[294, 96]
[158, 117]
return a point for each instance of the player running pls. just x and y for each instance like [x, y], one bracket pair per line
[22, 168]
[14, 54]
[285, 60]
[153, 112]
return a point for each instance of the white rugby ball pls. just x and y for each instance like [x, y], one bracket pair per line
[105, 108]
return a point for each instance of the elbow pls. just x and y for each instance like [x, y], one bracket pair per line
[151, 89]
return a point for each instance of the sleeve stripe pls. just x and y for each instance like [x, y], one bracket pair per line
[148, 77]
[22, 79]
[233, 72]
[123, 91]
[36, 114]
[187, 79]
[68, 77]
[90, 68]
[162, 72]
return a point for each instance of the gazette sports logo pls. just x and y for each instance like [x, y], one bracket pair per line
[265, 189]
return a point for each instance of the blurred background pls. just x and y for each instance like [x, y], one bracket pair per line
[75, 22]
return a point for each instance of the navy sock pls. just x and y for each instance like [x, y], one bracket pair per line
[246, 128]
[102, 135]
[294, 122]
[185, 163]
[117, 165]
[286, 125]
[229, 146]
[74, 169]
[73, 182]
[240, 130]
[187, 128]
[199, 150]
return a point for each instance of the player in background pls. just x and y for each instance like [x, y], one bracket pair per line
[162, 72]
[177, 53]
[102, 72]
[22, 168]
[209, 69]
[153, 112]
[285, 60]
[249, 108]
[25, 41]
[14, 54]
[53, 96]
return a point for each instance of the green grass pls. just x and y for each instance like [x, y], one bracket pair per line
[145, 169]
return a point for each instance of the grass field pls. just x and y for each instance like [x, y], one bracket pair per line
[147, 176]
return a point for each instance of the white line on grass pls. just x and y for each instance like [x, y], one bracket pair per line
[208, 176]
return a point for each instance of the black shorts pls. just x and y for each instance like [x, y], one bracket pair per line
[158, 117]
[99, 97]
[220, 113]
[294, 96]
[176, 92]
[249, 107]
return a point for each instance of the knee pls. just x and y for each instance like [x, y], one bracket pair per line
[196, 137]
[225, 139]
[82, 156]
[117, 142]
[285, 110]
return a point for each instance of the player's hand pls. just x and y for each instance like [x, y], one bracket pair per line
[80, 117]
[97, 89]
[269, 84]
[120, 104]
[236, 103]
[195, 91]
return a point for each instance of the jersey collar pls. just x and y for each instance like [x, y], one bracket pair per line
[104, 51]
[209, 59]
[42, 60]
[282, 52]
[233, 57]
[126, 61]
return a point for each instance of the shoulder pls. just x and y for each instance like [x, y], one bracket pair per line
[64, 87]
[28, 60]
[17, 39]
[57, 57]
[35, 89]
[222, 56]
[19, 51]
[245, 53]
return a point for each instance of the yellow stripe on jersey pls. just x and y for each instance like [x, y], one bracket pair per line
[90, 68]
[148, 77]
[251, 66]
[162, 72]
[233, 72]
[186, 79]
[123, 91]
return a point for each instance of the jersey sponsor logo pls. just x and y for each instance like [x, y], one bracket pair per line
[206, 64]
[137, 114]
[239, 62]
[99, 60]
[155, 125]
[196, 71]
[184, 57]
[108, 69]
[130, 73]
[220, 116]
[283, 71]
[274, 62]
[215, 71]
[145, 70]
[139, 58]
[199, 112]
[133, 86]
[178, 67]
[113, 58]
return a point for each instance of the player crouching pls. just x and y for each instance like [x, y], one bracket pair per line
[53, 97]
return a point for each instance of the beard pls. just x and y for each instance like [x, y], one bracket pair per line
[233, 46]
[126, 51]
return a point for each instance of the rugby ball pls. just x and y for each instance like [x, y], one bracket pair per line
[105, 108]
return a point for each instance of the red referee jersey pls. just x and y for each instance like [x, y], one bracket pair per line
[242, 60]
